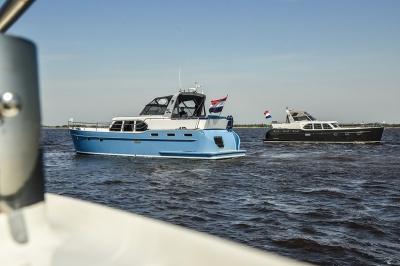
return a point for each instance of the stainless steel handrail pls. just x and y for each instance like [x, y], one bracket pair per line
[84, 125]
[11, 11]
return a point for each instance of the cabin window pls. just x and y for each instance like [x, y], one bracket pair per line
[317, 126]
[308, 126]
[116, 126]
[188, 134]
[192, 105]
[153, 110]
[303, 118]
[129, 125]
[141, 125]
[158, 106]
[154, 134]
[326, 126]
[171, 134]
[219, 141]
[310, 117]
[335, 125]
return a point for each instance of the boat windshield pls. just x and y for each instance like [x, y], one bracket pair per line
[302, 116]
[189, 105]
[310, 117]
[158, 106]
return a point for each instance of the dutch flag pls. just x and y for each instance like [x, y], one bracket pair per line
[217, 105]
[267, 115]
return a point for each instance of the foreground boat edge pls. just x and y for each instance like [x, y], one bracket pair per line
[67, 231]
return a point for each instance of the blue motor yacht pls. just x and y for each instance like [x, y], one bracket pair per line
[174, 126]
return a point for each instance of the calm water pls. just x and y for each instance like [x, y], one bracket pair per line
[321, 203]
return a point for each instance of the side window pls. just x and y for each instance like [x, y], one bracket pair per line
[317, 126]
[128, 125]
[141, 126]
[308, 126]
[116, 126]
[326, 126]
[158, 106]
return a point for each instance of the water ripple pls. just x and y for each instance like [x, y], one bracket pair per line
[325, 204]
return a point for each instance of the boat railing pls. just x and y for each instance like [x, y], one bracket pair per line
[196, 120]
[140, 125]
[354, 125]
[345, 125]
[88, 125]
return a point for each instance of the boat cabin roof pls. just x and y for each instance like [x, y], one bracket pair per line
[300, 119]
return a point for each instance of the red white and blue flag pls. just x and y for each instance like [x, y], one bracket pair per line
[217, 105]
[267, 115]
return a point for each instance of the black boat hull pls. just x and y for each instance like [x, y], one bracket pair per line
[345, 135]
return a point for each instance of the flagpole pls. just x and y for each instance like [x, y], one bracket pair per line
[180, 85]
[226, 98]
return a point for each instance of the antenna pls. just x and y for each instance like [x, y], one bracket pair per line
[180, 85]
[197, 85]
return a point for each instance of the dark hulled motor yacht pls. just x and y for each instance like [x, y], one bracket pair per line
[300, 126]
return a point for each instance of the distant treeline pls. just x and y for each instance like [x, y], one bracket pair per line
[368, 124]
[63, 126]
[252, 125]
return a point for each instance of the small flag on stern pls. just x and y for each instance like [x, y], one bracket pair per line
[217, 105]
[267, 115]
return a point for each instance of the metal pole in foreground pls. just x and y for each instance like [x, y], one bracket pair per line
[21, 173]
[20, 129]
[11, 11]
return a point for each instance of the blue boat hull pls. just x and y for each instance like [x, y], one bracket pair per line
[199, 144]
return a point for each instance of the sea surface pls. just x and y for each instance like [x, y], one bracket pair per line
[327, 204]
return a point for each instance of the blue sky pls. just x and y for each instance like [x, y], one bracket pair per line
[339, 60]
